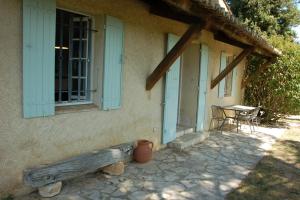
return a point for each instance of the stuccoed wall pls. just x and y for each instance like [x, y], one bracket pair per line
[29, 142]
[26, 143]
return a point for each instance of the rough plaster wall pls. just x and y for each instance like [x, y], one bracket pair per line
[189, 88]
[30, 142]
[26, 143]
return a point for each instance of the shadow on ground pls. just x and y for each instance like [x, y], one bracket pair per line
[276, 176]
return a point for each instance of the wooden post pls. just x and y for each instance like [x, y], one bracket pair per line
[262, 68]
[171, 57]
[231, 66]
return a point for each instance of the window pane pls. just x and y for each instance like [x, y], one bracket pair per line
[66, 17]
[75, 49]
[83, 89]
[84, 29]
[83, 68]
[56, 96]
[76, 31]
[57, 35]
[84, 49]
[56, 63]
[66, 31]
[65, 61]
[74, 84]
[74, 89]
[75, 70]
[64, 91]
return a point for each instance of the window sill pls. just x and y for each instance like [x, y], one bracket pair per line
[75, 108]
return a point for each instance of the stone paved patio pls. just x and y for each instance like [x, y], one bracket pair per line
[208, 170]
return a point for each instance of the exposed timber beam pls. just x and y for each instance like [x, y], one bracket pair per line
[221, 22]
[224, 38]
[172, 55]
[164, 11]
[260, 70]
[231, 66]
[182, 11]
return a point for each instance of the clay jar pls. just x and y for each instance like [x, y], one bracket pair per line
[143, 151]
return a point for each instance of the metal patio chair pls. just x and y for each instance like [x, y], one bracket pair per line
[219, 115]
[250, 118]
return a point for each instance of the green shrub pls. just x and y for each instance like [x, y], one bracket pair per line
[277, 88]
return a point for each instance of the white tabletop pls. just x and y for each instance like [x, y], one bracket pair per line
[238, 107]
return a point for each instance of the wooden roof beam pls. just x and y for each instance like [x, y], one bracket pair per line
[162, 10]
[231, 66]
[172, 55]
[220, 21]
[224, 38]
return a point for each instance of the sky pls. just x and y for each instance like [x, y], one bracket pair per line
[297, 29]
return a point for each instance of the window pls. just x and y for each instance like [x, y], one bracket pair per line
[228, 78]
[72, 58]
[62, 75]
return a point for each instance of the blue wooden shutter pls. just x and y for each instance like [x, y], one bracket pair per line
[113, 53]
[202, 88]
[222, 67]
[234, 81]
[38, 57]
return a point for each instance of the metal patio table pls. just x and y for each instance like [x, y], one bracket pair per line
[238, 110]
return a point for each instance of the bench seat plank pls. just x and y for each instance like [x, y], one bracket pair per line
[77, 166]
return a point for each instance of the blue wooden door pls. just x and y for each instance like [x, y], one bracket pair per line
[171, 96]
[202, 88]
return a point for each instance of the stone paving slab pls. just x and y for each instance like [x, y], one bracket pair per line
[208, 170]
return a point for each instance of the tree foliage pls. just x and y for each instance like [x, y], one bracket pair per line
[278, 87]
[273, 17]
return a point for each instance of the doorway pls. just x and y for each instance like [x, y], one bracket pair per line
[187, 113]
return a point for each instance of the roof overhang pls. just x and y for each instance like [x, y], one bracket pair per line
[225, 26]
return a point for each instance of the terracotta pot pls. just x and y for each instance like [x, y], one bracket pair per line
[143, 151]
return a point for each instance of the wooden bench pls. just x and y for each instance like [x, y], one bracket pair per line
[78, 165]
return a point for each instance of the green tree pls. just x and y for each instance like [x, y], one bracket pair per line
[277, 88]
[273, 17]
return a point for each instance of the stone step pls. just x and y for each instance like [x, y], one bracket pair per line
[188, 140]
[183, 130]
